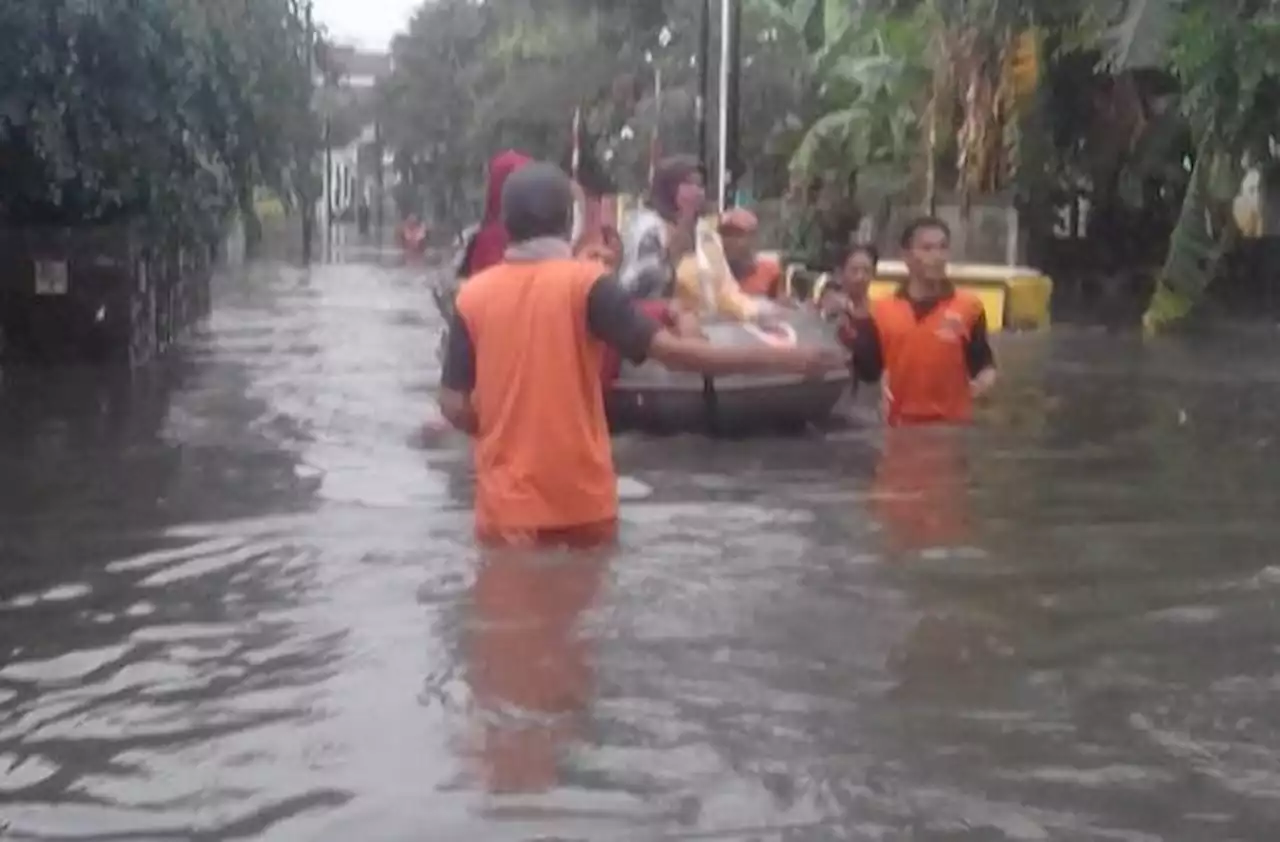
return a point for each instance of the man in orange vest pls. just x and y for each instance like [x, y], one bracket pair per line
[927, 344]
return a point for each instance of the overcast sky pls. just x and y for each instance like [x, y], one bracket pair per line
[368, 23]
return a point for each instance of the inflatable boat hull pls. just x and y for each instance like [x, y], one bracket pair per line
[714, 410]
[649, 397]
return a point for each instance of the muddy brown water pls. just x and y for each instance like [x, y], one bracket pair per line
[238, 602]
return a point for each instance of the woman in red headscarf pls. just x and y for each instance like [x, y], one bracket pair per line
[490, 242]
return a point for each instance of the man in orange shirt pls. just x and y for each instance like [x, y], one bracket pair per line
[522, 372]
[756, 275]
[927, 344]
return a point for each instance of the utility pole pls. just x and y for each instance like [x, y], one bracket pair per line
[733, 143]
[704, 86]
[379, 177]
[328, 168]
[722, 141]
[308, 169]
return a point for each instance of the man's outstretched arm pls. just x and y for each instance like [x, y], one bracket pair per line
[613, 319]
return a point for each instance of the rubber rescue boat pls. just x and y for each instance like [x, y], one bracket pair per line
[652, 398]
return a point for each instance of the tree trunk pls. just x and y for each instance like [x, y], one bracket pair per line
[1196, 247]
[252, 224]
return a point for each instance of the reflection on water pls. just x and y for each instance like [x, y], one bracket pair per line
[237, 602]
[529, 669]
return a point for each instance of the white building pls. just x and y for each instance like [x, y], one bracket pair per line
[349, 84]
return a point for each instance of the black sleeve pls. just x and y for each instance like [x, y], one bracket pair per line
[868, 356]
[468, 251]
[614, 320]
[978, 355]
[459, 373]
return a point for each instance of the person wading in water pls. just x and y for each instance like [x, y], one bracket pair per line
[486, 247]
[927, 344]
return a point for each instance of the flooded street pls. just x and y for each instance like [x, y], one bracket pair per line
[237, 601]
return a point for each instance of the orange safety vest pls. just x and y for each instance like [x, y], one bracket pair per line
[920, 491]
[544, 461]
[527, 655]
[925, 369]
[765, 279]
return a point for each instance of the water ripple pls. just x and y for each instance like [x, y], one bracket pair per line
[236, 602]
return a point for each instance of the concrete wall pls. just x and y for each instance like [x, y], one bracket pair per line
[988, 233]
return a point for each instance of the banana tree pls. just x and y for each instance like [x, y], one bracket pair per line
[872, 83]
[988, 57]
[863, 80]
[940, 90]
[1228, 63]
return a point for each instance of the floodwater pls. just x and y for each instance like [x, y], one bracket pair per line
[237, 601]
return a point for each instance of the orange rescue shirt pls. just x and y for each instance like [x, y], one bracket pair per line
[765, 279]
[925, 366]
[920, 492]
[542, 451]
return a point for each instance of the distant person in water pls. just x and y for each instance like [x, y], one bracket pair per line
[490, 241]
[755, 274]
[927, 344]
[413, 234]
[522, 372]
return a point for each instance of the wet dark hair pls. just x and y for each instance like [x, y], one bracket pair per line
[668, 175]
[923, 223]
[537, 201]
[872, 253]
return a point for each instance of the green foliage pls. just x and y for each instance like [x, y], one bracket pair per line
[165, 111]
[911, 91]
[1226, 57]
[893, 96]
[871, 83]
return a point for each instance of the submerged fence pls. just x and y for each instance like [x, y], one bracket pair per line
[97, 295]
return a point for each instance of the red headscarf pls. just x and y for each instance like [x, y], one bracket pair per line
[490, 243]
